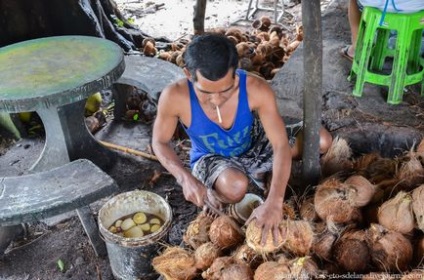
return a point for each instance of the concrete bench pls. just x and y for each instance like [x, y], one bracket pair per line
[72, 186]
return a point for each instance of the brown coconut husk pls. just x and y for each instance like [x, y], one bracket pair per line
[254, 237]
[362, 190]
[390, 250]
[205, 254]
[303, 268]
[415, 274]
[197, 231]
[396, 214]
[351, 251]
[225, 233]
[337, 158]
[307, 210]
[175, 263]
[227, 268]
[418, 206]
[298, 236]
[410, 171]
[246, 254]
[332, 202]
[323, 243]
[272, 270]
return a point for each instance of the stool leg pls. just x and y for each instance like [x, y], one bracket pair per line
[380, 50]
[364, 56]
[414, 54]
[90, 226]
[399, 67]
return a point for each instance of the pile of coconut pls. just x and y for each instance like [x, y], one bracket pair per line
[364, 219]
[262, 50]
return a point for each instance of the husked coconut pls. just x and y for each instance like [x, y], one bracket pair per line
[323, 244]
[227, 268]
[362, 191]
[411, 172]
[272, 270]
[396, 213]
[175, 263]
[390, 250]
[205, 254]
[418, 206]
[254, 238]
[351, 251]
[225, 233]
[337, 158]
[307, 210]
[298, 236]
[303, 268]
[246, 254]
[197, 231]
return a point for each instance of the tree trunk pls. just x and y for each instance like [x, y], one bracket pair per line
[22, 20]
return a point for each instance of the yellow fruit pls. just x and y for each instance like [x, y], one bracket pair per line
[155, 228]
[93, 103]
[145, 227]
[118, 223]
[25, 117]
[155, 221]
[140, 218]
[134, 232]
[127, 224]
[113, 229]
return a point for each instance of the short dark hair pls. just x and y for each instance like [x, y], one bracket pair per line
[212, 55]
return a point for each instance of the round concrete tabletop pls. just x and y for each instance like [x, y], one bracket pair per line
[55, 71]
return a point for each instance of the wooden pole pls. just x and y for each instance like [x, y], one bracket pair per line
[312, 91]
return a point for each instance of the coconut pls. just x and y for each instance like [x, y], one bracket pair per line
[298, 236]
[337, 158]
[175, 263]
[272, 270]
[411, 171]
[254, 238]
[197, 231]
[418, 206]
[246, 254]
[390, 250]
[362, 190]
[205, 254]
[303, 268]
[396, 213]
[307, 210]
[323, 245]
[351, 251]
[225, 233]
[332, 202]
[227, 268]
[415, 274]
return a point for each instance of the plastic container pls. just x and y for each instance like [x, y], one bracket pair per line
[130, 258]
[241, 211]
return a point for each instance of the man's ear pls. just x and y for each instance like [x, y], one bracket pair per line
[187, 73]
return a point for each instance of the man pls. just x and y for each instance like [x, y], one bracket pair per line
[235, 129]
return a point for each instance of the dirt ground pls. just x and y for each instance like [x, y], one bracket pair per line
[63, 239]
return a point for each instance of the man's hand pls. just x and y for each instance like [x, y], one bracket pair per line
[194, 191]
[268, 217]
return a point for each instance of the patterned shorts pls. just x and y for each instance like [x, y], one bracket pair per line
[254, 163]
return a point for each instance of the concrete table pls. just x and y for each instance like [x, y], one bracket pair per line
[54, 76]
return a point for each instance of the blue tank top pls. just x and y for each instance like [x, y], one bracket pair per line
[208, 137]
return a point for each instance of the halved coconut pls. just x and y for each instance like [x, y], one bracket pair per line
[175, 263]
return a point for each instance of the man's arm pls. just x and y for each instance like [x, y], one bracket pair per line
[262, 99]
[163, 129]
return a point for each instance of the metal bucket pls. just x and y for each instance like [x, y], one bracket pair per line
[130, 258]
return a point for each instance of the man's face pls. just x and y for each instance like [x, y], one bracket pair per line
[216, 92]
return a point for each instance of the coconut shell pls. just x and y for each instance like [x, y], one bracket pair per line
[227, 268]
[298, 236]
[390, 250]
[225, 232]
[396, 214]
[362, 191]
[205, 254]
[175, 263]
[351, 251]
[197, 231]
[418, 206]
[271, 270]
[254, 237]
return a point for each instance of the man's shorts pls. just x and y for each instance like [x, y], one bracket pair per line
[254, 163]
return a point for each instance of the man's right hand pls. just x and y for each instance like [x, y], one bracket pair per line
[194, 191]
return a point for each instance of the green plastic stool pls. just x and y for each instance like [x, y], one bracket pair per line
[372, 49]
